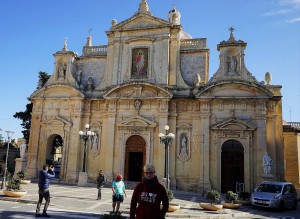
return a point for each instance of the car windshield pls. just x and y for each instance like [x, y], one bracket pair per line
[269, 188]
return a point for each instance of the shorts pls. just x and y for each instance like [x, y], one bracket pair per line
[117, 198]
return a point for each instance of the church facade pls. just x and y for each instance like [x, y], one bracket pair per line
[151, 74]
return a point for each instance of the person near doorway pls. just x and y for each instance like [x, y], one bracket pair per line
[147, 196]
[100, 183]
[44, 175]
[118, 188]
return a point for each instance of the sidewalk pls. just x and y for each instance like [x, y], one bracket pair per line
[70, 197]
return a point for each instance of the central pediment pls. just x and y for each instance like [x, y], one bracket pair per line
[141, 21]
[136, 121]
[233, 124]
[137, 90]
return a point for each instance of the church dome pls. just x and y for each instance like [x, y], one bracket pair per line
[184, 35]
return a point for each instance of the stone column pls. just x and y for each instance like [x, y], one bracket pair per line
[204, 151]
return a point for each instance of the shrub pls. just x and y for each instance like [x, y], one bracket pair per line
[14, 184]
[244, 195]
[213, 196]
[170, 195]
[231, 197]
[112, 215]
[21, 175]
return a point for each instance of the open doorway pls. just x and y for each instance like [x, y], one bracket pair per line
[135, 158]
[54, 153]
[232, 165]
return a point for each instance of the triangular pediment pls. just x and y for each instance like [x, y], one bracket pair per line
[234, 89]
[57, 121]
[233, 124]
[136, 121]
[137, 90]
[58, 91]
[141, 21]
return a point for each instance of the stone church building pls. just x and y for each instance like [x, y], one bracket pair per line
[151, 74]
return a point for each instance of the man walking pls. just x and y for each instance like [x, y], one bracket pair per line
[44, 177]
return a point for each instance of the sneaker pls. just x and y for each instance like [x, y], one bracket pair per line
[38, 215]
[45, 215]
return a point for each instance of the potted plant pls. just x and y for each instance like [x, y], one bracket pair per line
[213, 197]
[7, 177]
[14, 188]
[172, 207]
[22, 176]
[230, 200]
[244, 198]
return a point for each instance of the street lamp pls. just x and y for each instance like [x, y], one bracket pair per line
[9, 135]
[1, 140]
[86, 136]
[166, 139]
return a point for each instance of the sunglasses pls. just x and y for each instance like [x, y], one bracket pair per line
[150, 173]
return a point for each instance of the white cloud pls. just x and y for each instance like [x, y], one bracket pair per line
[291, 3]
[285, 7]
[297, 19]
[275, 12]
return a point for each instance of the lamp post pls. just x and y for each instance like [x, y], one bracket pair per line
[1, 140]
[86, 136]
[9, 135]
[166, 139]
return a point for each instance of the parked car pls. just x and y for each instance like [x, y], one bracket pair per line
[271, 194]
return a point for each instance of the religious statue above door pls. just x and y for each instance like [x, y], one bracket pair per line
[139, 66]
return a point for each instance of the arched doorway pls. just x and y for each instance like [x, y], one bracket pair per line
[232, 165]
[54, 153]
[135, 158]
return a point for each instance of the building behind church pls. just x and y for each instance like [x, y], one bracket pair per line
[151, 74]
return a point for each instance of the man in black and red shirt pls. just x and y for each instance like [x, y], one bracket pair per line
[147, 196]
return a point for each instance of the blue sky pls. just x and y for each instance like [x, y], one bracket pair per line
[32, 31]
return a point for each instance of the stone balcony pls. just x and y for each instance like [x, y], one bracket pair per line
[94, 51]
[193, 44]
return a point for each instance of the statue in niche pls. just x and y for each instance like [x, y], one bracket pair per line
[90, 84]
[95, 146]
[183, 148]
[267, 164]
[62, 72]
[183, 145]
[231, 64]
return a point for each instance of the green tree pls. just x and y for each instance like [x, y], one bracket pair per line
[26, 115]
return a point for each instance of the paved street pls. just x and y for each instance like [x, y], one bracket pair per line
[71, 201]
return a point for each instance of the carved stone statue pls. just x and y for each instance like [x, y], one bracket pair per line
[198, 80]
[90, 84]
[23, 147]
[231, 64]
[183, 146]
[267, 164]
[62, 71]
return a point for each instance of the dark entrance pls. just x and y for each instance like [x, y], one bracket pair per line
[135, 166]
[232, 165]
[135, 158]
